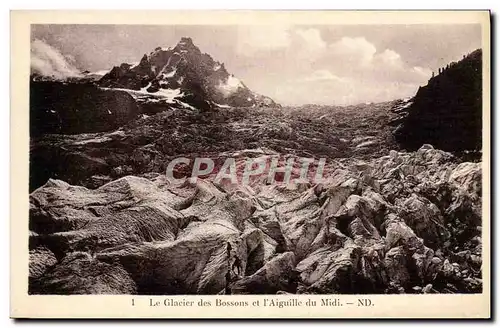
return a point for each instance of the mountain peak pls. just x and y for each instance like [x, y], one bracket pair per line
[186, 40]
[187, 44]
[185, 69]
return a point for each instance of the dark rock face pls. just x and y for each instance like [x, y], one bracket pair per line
[72, 108]
[202, 80]
[447, 112]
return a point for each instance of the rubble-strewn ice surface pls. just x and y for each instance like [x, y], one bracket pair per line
[400, 223]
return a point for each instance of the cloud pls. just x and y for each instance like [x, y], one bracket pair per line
[345, 71]
[48, 61]
[258, 38]
[353, 51]
[361, 59]
[310, 39]
[322, 75]
[320, 87]
[268, 38]
[390, 58]
[293, 52]
[328, 89]
[424, 72]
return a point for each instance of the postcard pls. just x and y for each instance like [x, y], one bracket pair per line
[250, 164]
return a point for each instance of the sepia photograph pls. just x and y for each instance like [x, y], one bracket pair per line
[281, 159]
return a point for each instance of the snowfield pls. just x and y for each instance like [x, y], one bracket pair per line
[232, 85]
[162, 95]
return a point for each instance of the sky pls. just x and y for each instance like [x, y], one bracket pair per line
[293, 64]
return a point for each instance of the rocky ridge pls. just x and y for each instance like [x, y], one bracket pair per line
[447, 112]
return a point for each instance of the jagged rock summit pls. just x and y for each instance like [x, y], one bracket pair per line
[185, 73]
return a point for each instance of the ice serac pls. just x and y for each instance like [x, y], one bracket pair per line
[400, 223]
[202, 81]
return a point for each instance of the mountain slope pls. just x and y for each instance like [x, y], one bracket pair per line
[201, 80]
[73, 108]
[447, 112]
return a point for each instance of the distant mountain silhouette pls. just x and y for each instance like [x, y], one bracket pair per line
[447, 112]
